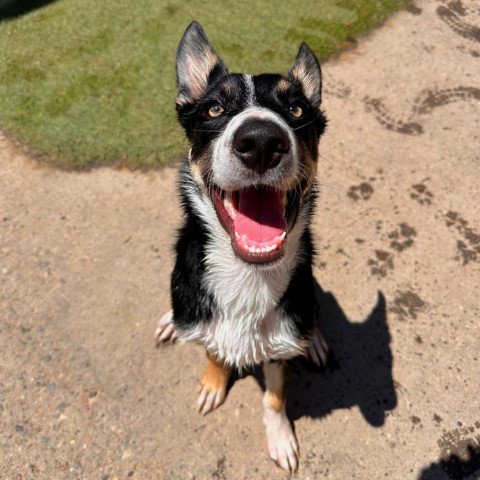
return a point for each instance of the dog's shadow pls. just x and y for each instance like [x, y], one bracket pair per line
[358, 371]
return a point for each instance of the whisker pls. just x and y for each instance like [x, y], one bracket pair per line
[332, 187]
[329, 162]
[302, 175]
[305, 124]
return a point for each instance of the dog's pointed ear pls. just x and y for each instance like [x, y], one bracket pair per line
[197, 63]
[306, 70]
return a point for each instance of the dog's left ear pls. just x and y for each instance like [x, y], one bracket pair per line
[306, 70]
[197, 64]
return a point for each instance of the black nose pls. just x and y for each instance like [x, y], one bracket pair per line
[260, 144]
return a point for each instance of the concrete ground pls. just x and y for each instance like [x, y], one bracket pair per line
[85, 260]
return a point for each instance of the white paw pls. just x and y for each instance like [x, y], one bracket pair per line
[317, 350]
[209, 399]
[282, 444]
[166, 330]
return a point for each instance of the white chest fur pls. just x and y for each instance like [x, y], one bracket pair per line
[247, 327]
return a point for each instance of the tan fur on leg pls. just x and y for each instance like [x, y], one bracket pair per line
[275, 396]
[214, 385]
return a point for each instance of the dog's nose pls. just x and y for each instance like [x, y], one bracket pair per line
[260, 144]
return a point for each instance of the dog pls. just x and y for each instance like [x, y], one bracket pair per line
[242, 285]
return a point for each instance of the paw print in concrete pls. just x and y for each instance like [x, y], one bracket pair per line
[421, 194]
[407, 304]
[381, 264]
[402, 237]
[360, 192]
[468, 246]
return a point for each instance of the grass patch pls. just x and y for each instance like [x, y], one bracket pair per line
[87, 82]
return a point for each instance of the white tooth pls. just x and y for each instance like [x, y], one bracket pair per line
[263, 250]
[228, 205]
[283, 235]
[237, 236]
[252, 250]
[246, 247]
[258, 250]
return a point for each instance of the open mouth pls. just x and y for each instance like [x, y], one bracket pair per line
[257, 219]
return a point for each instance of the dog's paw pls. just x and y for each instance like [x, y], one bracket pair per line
[282, 444]
[317, 349]
[210, 398]
[165, 330]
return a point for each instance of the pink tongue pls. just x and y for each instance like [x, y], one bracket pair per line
[260, 215]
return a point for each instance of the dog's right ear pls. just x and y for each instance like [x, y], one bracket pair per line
[197, 64]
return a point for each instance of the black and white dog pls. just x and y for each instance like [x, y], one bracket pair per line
[242, 286]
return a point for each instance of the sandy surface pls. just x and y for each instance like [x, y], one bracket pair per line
[85, 260]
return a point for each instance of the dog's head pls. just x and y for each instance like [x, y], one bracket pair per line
[254, 142]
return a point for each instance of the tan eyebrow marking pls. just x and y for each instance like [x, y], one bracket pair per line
[283, 85]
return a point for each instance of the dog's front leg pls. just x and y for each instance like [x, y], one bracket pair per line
[282, 444]
[214, 385]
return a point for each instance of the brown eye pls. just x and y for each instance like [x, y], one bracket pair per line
[215, 111]
[295, 110]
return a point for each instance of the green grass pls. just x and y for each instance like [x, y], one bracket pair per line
[89, 82]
